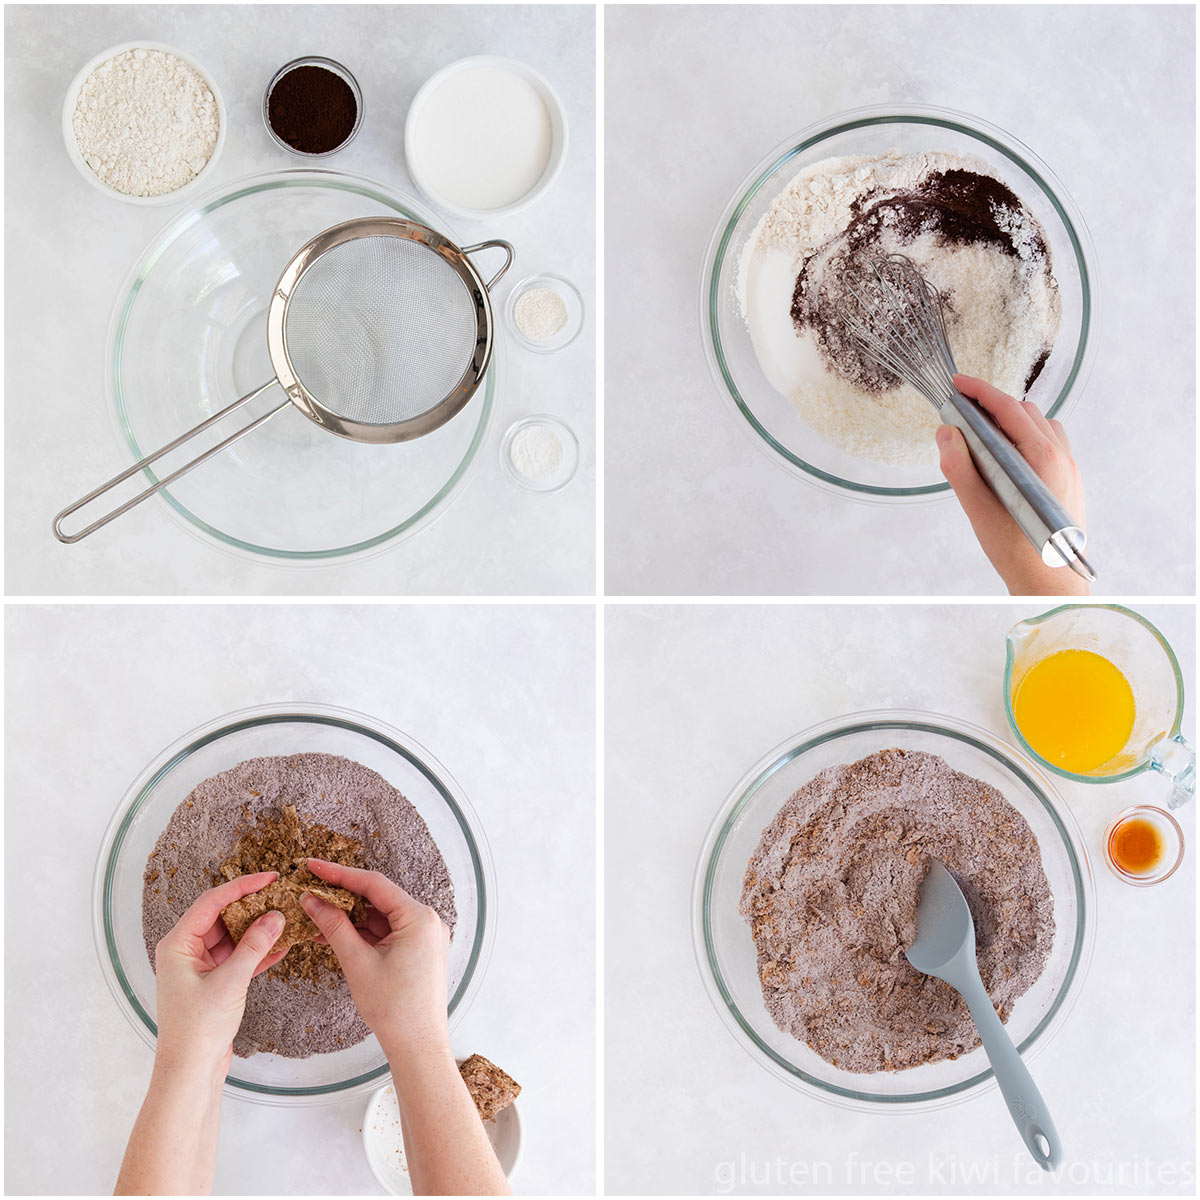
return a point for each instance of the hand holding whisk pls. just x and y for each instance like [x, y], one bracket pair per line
[896, 319]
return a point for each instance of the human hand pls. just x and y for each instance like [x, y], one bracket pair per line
[394, 962]
[202, 975]
[1043, 444]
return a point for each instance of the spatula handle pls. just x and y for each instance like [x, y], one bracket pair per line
[1025, 1103]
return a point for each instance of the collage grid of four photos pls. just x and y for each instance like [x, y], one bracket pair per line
[600, 599]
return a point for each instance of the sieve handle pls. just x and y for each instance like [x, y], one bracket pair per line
[69, 538]
[1051, 530]
[495, 244]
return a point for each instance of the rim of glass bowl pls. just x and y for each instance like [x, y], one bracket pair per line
[270, 714]
[743, 793]
[128, 443]
[861, 118]
[1010, 659]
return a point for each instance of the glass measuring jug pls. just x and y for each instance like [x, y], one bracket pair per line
[1133, 645]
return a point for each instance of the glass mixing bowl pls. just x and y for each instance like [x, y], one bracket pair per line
[287, 729]
[725, 949]
[769, 417]
[188, 337]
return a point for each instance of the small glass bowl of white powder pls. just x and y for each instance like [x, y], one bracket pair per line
[544, 313]
[540, 454]
[144, 123]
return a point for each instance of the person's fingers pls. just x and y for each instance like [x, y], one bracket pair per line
[206, 908]
[249, 955]
[336, 928]
[1060, 433]
[216, 934]
[1013, 418]
[390, 898]
[375, 922]
[373, 925]
[222, 949]
[978, 500]
[979, 389]
[271, 959]
[1038, 418]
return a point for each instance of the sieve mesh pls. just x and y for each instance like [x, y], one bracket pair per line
[380, 329]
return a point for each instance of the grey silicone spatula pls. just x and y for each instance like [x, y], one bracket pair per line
[945, 947]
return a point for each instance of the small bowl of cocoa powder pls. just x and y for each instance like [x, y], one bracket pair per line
[313, 107]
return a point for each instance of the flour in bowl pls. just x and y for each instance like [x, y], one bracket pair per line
[146, 122]
[970, 236]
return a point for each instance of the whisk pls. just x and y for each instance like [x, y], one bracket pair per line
[895, 318]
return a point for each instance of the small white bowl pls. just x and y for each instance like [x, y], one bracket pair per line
[383, 1141]
[569, 295]
[558, 144]
[180, 193]
[566, 469]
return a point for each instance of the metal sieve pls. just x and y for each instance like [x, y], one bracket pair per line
[380, 330]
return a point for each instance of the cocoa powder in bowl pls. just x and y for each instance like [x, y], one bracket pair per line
[831, 896]
[290, 1014]
[311, 106]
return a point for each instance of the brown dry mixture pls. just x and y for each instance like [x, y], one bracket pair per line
[492, 1089]
[282, 842]
[271, 813]
[831, 897]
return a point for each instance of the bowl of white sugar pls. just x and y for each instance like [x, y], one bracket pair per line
[987, 224]
[485, 137]
[144, 123]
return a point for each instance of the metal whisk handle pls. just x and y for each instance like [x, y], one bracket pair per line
[1051, 530]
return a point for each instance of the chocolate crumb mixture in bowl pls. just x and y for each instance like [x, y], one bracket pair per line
[270, 786]
[984, 220]
[805, 897]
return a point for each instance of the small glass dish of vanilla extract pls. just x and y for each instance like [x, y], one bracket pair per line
[1143, 845]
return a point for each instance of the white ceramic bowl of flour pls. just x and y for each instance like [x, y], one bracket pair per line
[485, 137]
[199, 181]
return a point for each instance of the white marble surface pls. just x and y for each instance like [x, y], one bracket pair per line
[1105, 95]
[69, 248]
[694, 696]
[502, 695]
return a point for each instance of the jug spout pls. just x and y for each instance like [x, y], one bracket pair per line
[1175, 760]
[1019, 637]
[1021, 632]
[1018, 645]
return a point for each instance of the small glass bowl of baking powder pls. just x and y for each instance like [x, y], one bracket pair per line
[544, 313]
[540, 454]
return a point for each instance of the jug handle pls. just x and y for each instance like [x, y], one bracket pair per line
[1176, 762]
